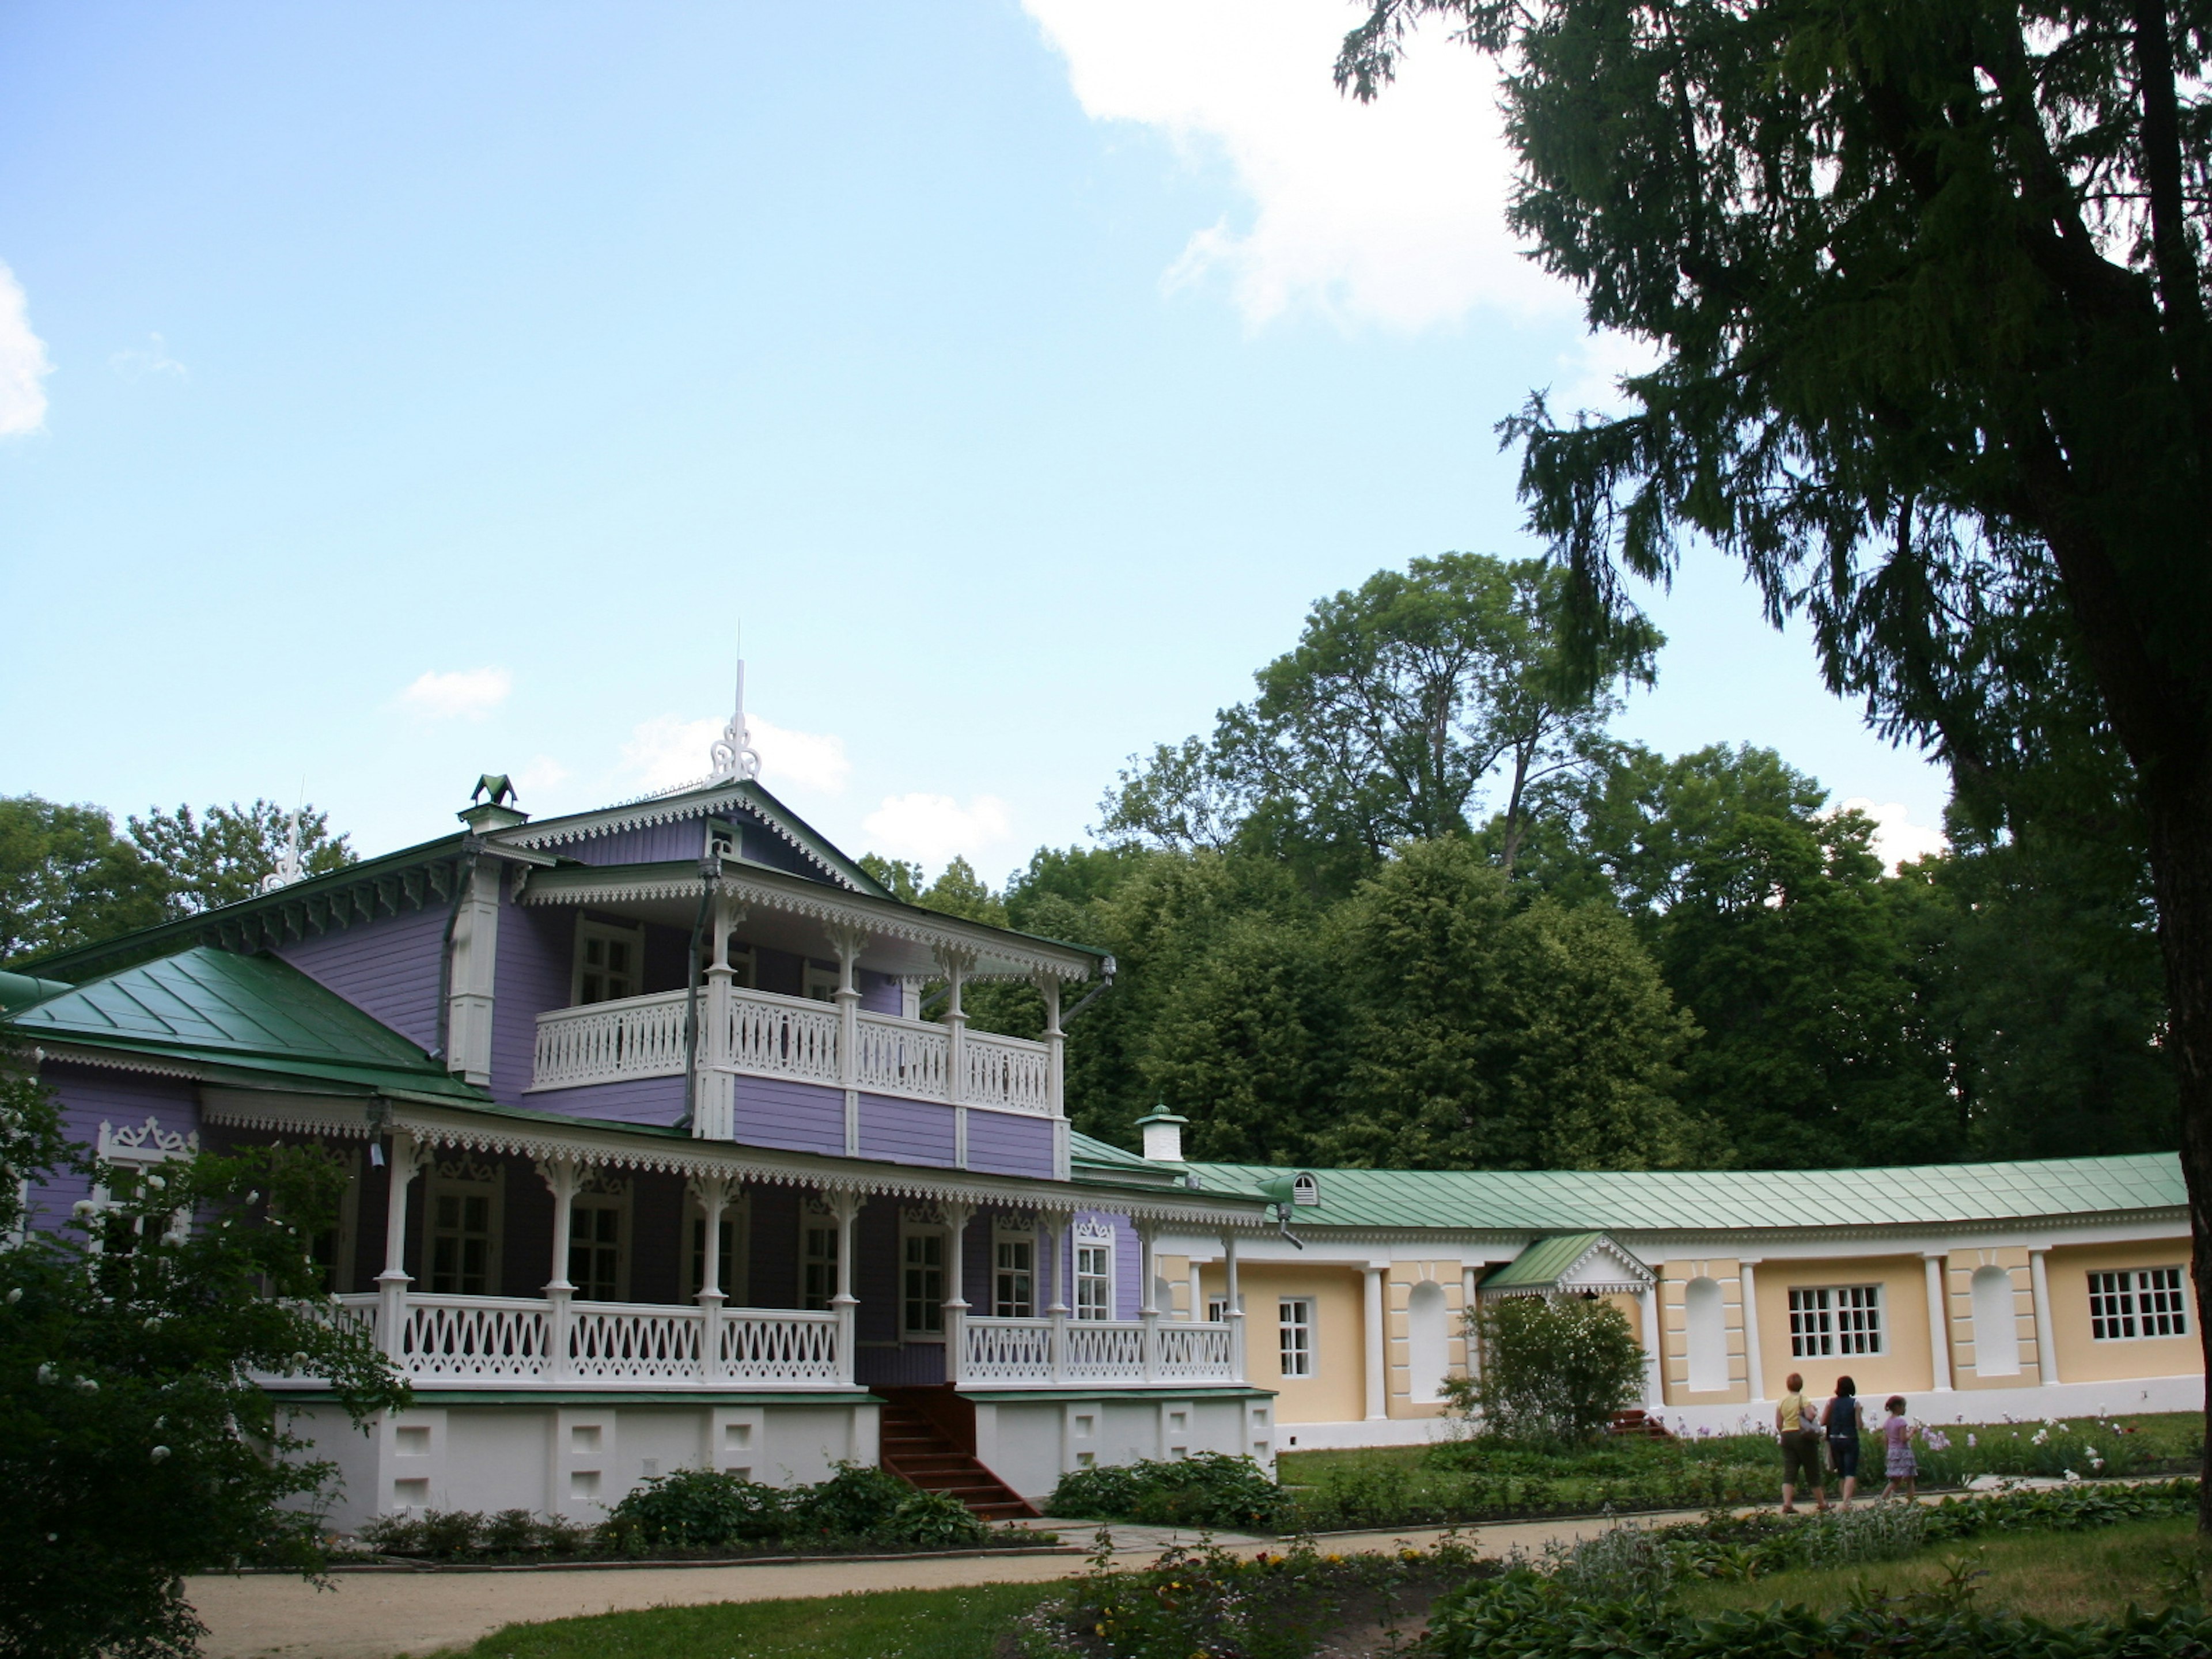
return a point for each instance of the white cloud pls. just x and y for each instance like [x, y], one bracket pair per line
[799, 760]
[1591, 375]
[23, 363]
[933, 828]
[543, 771]
[474, 692]
[664, 752]
[1392, 212]
[1896, 839]
[156, 359]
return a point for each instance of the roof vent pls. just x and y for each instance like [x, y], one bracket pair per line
[1162, 1135]
[496, 812]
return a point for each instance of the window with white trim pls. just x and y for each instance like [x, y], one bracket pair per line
[133, 1157]
[610, 962]
[1296, 1315]
[1216, 1309]
[921, 1282]
[599, 1233]
[1829, 1321]
[2136, 1302]
[1013, 1274]
[821, 983]
[460, 1230]
[1094, 1278]
[817, 1260]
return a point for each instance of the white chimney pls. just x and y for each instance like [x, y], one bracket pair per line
[1162, 1136]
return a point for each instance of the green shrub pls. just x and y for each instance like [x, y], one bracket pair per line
[452, 1534]
[512, 1532]
[696, 1510]
[393, 1534]
[1554, 1371]
[1207, 1489]
[933, 1520]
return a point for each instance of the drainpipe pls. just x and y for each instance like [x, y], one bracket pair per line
[472, 845]
[710, 876]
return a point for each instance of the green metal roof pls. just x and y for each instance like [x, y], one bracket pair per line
[1679, 1200]
[1541, 1264]
[250, 1013]
[21, 990]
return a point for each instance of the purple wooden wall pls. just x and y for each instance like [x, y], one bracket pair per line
[907, 1131]
[637, 1100]
[388, 969]
[763, 846]
[798, 1117]
[1001, 1143]
[880, 992]
[537, 947]
[91, 1095]
[661, 843]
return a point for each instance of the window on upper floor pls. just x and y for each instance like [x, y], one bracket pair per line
[2136, 1302]
[1827, 1320]
[610, 962]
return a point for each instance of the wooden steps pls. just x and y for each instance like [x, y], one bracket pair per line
[922, 1444]
[1633, 1421]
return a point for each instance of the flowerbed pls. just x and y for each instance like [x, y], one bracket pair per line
[698, 1512]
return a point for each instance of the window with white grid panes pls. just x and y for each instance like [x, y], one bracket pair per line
[1297, 1319]
[610, 962]
[1831, 1321]
[1094, 1281]
[1013, 1275]
[461, 1233]
[921, 1282]
[596, 1226]
[818, 1262]
[2135, 1303]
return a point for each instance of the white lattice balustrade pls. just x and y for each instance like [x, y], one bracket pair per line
[459, 1339]
[625, 1342]
[1099, 1351]
[902, 1057]
[764, 1347]
[604, 1042]
[1009, 1350]
[1008, 1074]
[781, 1036]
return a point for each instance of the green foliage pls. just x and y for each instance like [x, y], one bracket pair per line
[67, 879]
[695, 1510]
[222, 855]
[1554, 1370]
[1207, 1489]
[1206, 1603]
[134, 1447]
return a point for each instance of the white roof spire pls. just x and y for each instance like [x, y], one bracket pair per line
[732, 755]
[288, 869]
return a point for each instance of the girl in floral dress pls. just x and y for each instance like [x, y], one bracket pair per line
[1900, 1464]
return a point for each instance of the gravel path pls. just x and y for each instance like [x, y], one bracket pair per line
[384, 1614]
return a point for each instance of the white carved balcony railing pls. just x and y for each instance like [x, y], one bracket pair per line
[1129, 1352]
[763, 1035]
[460, 1341]
[637, 1036]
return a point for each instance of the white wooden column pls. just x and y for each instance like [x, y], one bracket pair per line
[1052, 1227]
[408, 1157]
[1939, 1318]
[1378, 1373]
[2046, 1337]
[1232, 1305]
[1470, 1277]
[955, 964]
[847, 942]
[846, 1207]
[560, 1176]
[713, 1193]
[1746, 1289]
[956, 1217]
[1056, 1046]
[471, 974]
[1655, 1369]
[1148, 1302]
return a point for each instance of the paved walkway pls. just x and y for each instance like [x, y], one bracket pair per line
[384, 1614]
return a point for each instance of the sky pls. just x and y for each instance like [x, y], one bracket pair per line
[392, 393]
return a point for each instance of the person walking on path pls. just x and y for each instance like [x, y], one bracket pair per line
[1800, 1446]
[1898, 1462]
[1843, 1420]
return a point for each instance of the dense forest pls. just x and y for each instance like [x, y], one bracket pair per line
[1412, 904]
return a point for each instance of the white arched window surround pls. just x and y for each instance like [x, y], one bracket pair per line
[1704, 1321]
[1996, 1325]
[1428, 1340]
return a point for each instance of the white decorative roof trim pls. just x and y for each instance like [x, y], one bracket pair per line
[575, 886]
[117, 1060]
[299, 1115]
[671, 806]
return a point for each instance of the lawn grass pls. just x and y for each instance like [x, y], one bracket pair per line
[2060, 1577]
[940, 1624]
[1299, 1468]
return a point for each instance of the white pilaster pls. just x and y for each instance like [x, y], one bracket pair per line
[2046, 1335]
[846, 1207]
[1747, 1269]
[847, 942]
[1938, 1320]
[560, 1176]
[1378, 1398]
[1655, 1374]
[1232, 1305]
[956, 1217]
[473, 970]
[408, 1157]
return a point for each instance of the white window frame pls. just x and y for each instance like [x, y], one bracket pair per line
[1217, 1310]
[1005, 1235]
[144, 1149]
[1296, 1337]
[2138, 1304]
[1837, 1322]
[1094, 1283]
[817, 1258]
[345, 1246]
[590, 927]
[597, 1200]
[463, 1178]
[736, 1265]
[820, 984]
[916, 1232]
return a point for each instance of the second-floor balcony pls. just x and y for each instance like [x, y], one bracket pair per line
[760, 1034]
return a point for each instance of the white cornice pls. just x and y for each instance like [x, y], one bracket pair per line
[116, 1059]
[672, 807]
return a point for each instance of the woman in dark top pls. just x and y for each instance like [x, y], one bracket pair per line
[1842, 1420]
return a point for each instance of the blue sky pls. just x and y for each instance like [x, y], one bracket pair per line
[392, 392]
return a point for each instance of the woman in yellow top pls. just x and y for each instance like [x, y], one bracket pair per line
[1798, 1428]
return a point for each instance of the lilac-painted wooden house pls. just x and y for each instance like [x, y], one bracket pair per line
[656, 1161]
